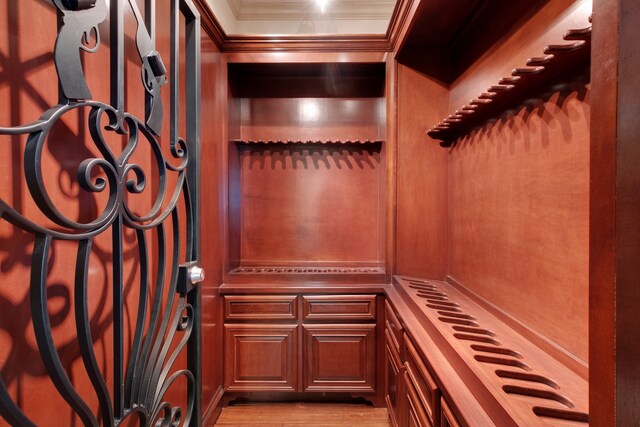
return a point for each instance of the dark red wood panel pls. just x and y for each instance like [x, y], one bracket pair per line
[422, 168]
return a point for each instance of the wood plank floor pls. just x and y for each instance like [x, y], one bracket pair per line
[303, 414]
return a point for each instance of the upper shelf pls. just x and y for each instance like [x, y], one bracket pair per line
[309, 142]
[511, 91]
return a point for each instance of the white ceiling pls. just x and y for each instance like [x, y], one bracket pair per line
[303, 16]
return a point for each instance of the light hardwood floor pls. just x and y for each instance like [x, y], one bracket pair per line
[303, 414]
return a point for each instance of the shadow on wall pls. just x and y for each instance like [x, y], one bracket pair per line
[281, 156]
[28, 88]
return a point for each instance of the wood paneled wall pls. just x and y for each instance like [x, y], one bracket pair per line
[519, 216]
[527, 40]
[519, 191]
[506, 211]
[213, 199]
[422, 168]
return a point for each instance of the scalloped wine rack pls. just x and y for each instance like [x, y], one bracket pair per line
[532, 386]
[522, 84]
[308, 270]
[308, 142]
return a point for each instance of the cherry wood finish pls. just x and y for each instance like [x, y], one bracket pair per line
[425, 386]
[448, 419]
[446, 37]
[340, 357]
[421, 245]
[546, 26]
[530, 170]
[394, 379]
[261, 357]
[543, 216]
[523, 82]
[339, 307]
[308, 80]
[393, 326]
[310, 204]
[294, 205]
[261, 414]
[314, 335]
[516, 382]
[416, 414]
[614, 231]
[213, 250]
[263, 307]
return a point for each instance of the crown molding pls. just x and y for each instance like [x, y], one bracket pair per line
[210, 24]
[310, 43]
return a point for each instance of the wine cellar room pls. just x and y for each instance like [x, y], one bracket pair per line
[325, 212]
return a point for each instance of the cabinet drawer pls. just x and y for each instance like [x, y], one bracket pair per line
[394, 369]
[425, 386]
[416, 412]
[393, 325]
[448, 419]
[339, 307]
[260, 307]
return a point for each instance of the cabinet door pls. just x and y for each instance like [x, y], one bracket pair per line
[448, 419]
[261, 357]
[339, 357]
[416, 414]
[393, 381]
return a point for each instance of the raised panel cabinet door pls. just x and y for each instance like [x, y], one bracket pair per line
[448, 419]
[339, 358]
[416, 414]
[393, 381]
[425, 385]
[261, 357]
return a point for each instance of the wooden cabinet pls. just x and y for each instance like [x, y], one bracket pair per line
[263, 307]
[425, 386]
[448, 419]
[415, 414]
[412, 393]
[339, 357]
[261, 357]
[394, 369]
[304, 343]
[339, 307]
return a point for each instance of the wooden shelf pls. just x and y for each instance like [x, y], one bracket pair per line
[307, 274]
[308, 270]
[307, 142]
[522, 84]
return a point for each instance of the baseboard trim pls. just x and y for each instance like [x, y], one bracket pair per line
[212, 412]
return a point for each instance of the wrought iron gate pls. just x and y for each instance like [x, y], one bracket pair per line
[167, 318]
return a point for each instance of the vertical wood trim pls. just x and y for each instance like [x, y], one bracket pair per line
[615, 208]
[627, 289]
[602, 213]
[391, 151]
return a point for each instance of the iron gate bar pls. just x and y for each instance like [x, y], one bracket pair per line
[153, 351]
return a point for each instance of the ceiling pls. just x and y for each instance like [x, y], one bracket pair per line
[263, 17]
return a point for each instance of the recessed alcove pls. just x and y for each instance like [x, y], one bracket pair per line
[307, 175]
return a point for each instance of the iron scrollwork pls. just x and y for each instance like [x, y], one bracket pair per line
[164, 326]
